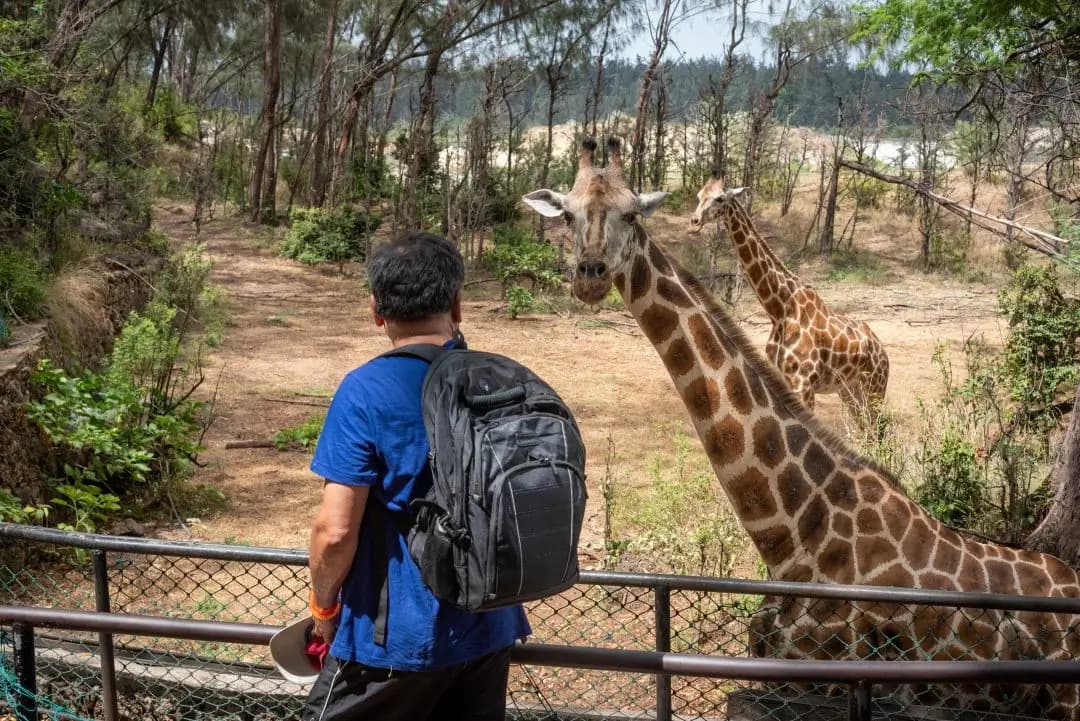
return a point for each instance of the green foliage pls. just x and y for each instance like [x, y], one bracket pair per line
[1040, 358]
[515, 255]
[680, 523]
[14, 511]
[304, 435]
[868, 192]
[949, 255]
[317, 235]
[856, 266]
[22, 284]
[88, 505]
[519, 300]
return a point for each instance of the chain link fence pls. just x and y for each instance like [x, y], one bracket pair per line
[160, 678]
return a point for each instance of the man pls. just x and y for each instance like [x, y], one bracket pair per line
[434, 661]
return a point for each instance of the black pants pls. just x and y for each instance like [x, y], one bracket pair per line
[350, 691]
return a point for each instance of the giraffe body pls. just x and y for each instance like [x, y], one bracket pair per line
[816, 350]
[813, 508]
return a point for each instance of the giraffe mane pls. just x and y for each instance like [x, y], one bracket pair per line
[769, 375]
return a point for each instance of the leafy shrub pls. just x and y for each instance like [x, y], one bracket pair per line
[519, 300]
[681, 523]
[856, 266]
[305, 435]
[325, 236]
[22, 284]
[515, 255]
[868, 192]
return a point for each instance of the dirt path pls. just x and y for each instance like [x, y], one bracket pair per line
[296, 330]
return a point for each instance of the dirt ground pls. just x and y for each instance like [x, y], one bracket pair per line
[295, 331]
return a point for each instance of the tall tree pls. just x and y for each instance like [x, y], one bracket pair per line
[264, 178]
[322, 116]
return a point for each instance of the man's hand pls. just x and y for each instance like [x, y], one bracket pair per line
[326, 629]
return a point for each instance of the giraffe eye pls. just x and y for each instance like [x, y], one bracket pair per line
[631, 218]
[568, 217]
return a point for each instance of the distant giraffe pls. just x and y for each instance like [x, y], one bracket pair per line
[815, 510]
[816, 350]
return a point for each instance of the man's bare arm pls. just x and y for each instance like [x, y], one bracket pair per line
[334, 538]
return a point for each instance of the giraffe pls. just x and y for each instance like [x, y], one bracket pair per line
[816, 350]
[814, 509]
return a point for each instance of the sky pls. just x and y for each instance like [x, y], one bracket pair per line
[701, 37]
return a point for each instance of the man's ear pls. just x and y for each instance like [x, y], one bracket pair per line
[455, 309]
[379, 320]
[649, 202]
[546, 202]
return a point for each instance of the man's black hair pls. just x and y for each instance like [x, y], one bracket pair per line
[415, 276]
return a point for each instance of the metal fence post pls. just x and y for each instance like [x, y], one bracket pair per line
[859, 702]
[25, 672]
[105, 639]
[662, 609]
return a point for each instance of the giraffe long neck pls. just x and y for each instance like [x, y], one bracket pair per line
[771, 280]
[756, 434]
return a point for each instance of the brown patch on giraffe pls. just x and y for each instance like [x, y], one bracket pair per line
[658, 322]
[1033, 579]
[1000, 576]
[946, 557]
[768, 443]
[793, 489]
[774, 544]
[679, 357]
[841, 492]
[813, 524]
[752, 496]
[842, 524]
[799, 574]
[737, 392]
[705, 341]
[873, 552]
[818, 463]
[640, 278]
[973, 574]
[894, 575]
[933, 579]
[871, 489]
[897, 512]
[702, 397]
[974, 638]
[725, 441]
[659, 262]
[673, 293]
[918, 543]
[836, 563]
[868, 521]
[950, 536]
[1059, 572]
[797, 436]
[620, 282]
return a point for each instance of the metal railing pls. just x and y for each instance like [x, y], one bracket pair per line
[617, 632]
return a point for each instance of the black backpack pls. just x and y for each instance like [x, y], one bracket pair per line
[501, 522]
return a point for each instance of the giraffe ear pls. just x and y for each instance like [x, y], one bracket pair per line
[546, 202]
[734, 192]
[649, 202]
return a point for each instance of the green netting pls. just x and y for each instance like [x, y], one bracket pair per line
[13, 695]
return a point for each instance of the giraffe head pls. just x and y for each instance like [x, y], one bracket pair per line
[711, 199]
[602, 214]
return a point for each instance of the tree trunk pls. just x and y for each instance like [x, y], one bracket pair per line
[641, 117]
[1059, 533]
[659, 161]
[159, 59]
[825, 243]
[598, 81]
[322, 115]
[420, 140]
[271, 87]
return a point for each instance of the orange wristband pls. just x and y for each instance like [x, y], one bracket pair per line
[322, 614]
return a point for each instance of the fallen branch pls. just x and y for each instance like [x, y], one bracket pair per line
[1040, 241]
[231, 445]
[295, 403]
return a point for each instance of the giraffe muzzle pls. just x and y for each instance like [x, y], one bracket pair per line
[592, 281]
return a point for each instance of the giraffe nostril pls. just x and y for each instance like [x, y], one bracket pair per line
[592, 268]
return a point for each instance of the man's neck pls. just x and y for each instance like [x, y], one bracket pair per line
[436, 331]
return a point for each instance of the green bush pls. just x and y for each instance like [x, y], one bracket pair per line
[324, 236]
[515, 255]
[519, 300]
[22, 284]
[304, 435]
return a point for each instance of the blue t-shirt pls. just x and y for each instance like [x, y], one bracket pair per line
[374, 436]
